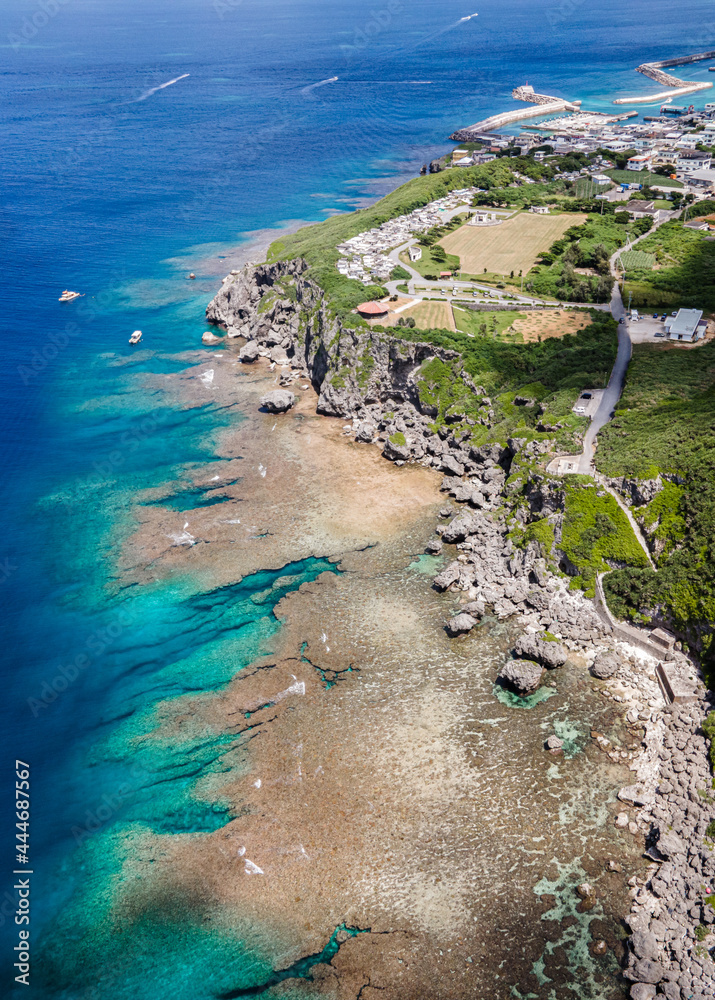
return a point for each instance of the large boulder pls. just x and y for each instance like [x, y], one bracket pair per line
[645, 971]
[249, 352]
[460, 624]
[366, 432]
[669, 844]
[548, 654]
[605, 665]
[210, 339]
[643, 991]
[458, 529]
[278, 354]
[644, 944]
[450, 464]
[278, 401]
[396, 452]
[448, 576]
[521, 676]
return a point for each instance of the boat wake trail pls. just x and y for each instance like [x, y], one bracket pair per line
[442, 31]
[320, 83]
[161, 86]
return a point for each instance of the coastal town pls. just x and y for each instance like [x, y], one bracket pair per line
[449, 269]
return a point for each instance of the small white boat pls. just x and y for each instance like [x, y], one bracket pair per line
[67, 296]
[135, 337]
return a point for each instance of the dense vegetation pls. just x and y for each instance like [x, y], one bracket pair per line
[665, 424]
[589, 245]
[530, 388]
[596, 535]
[685, 273]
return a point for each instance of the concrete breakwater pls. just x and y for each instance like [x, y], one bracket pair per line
[544, 104]
[472, 132]
[654, 70]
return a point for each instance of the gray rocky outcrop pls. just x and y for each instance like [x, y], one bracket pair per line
[460, 624]
[521, 676]
[548, 654]
[278, 401]
[374, 379]
[249, 352]
[605, 665]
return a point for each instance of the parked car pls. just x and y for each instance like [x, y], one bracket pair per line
[622, 319]
[579, 409]
[664, 317]
[674, 313]
[655, 315]
[659, 333]
[585, 395]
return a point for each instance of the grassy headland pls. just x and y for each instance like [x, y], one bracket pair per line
[665, 425]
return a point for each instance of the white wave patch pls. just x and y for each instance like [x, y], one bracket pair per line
[320, 83]
[297, 688]
[182, 538]
[155, 90]
[207, 378]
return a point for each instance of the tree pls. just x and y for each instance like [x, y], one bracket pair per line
[622, 218]
[665, 169]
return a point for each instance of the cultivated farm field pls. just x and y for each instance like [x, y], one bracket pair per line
[432, 315]
[513, 246]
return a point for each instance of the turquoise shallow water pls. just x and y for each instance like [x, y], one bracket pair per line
[118, 189]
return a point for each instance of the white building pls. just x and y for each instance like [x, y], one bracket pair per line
[704, 180]
[686, 326]
[539, 209]
[691, 161]
[415, 253]
[640, 162]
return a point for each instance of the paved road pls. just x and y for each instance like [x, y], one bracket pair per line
[444, 287]
[618, 375]
[614, 388]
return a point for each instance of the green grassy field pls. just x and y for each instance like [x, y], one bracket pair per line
[641, 177]
[486, 324]
[637, 259]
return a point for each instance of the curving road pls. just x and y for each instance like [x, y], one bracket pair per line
[614, 388]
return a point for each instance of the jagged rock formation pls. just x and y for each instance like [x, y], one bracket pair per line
[380, 382]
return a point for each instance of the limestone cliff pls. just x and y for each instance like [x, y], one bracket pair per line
[378, 380]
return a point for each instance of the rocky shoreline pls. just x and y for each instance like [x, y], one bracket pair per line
[371, 379]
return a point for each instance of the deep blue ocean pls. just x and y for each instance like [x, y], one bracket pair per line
[118, 186]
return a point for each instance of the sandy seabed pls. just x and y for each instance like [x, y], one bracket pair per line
[381, 785]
